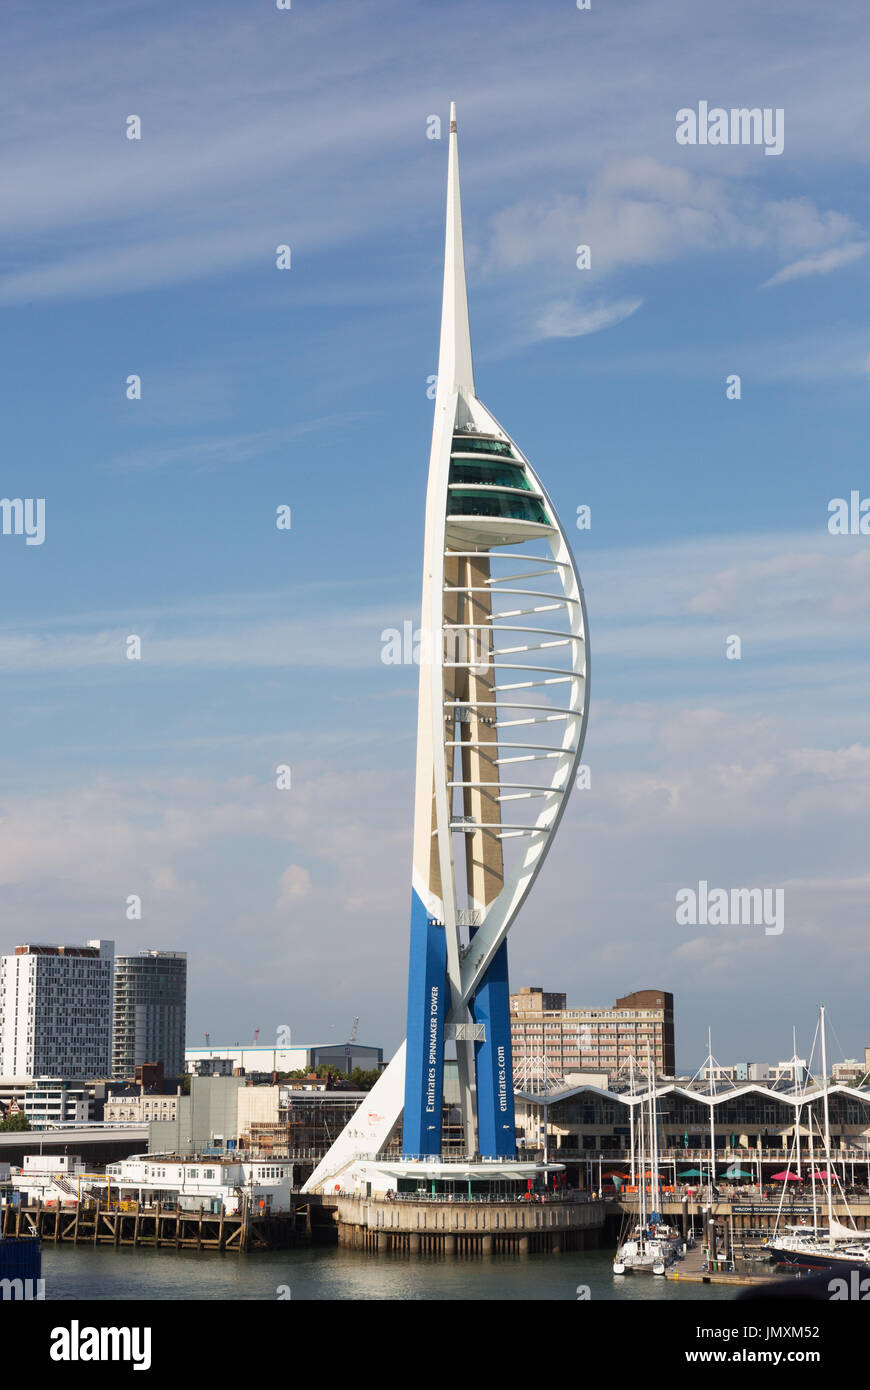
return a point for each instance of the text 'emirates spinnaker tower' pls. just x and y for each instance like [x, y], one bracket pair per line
[502, 716]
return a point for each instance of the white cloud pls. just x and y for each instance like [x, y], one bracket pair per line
[642, 211]
[295, 884]
[567, 319]
[229, 449]
[821, 264]
[233, 152]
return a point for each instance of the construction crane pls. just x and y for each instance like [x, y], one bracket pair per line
[256, 1035]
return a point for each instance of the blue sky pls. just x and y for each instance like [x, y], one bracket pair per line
[308, 388]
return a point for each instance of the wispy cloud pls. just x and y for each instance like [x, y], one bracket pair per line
[567, 319]
[822, 264]
[229, 449]
[643, 211]
[234, 155]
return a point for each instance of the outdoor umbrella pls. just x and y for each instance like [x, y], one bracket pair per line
[738, 1173]
[824, 1174]
[785, 1177]
[692, 1173]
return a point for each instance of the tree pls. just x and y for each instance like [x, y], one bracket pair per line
[361, 1079]
[14, 1123]
[364, 1080]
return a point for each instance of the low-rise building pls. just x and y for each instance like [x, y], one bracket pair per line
[752, 1121]
[547, 1035]
[264, 1058]
[209, 1181]
[52, 1179]
[207, 1118]
[297, 1123]
[51, 1101]
[849, 1070]
[210, 1066]
[140, 1108]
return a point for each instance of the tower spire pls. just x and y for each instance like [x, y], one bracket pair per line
[454, 358]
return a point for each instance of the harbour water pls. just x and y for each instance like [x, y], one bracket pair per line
[330, 1273]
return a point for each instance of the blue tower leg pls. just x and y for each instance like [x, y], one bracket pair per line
[493, 1060]
[424, 1061]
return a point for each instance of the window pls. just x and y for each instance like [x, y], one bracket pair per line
[489, 473]
[469, 444]
[466, 502]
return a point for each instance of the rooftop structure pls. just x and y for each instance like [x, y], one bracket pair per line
[264, 1057]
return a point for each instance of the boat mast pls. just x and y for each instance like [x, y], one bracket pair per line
[643, 1162]
[827, 1129]
[797, 1127]
[813, 1175]
[631, 1115]
[712, 1113]
[655, 1196]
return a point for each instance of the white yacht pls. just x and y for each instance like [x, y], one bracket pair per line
[835, 1246]
[651, 1245]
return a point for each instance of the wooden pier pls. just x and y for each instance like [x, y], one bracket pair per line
[695, 1268]
[158, 1226]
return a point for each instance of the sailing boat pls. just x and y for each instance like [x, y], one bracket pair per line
[652, 1245]
[839, 1246]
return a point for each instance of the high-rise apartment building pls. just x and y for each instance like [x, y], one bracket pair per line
[56, 1010]
[561, 1040]
[150, 1012]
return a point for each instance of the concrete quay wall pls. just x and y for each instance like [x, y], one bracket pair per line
[468, 1228]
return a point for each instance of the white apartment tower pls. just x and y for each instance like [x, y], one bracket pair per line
[56, 1010]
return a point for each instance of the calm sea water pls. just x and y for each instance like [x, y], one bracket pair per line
[331, 1273]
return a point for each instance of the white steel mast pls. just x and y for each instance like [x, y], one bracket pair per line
[827, 1128]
